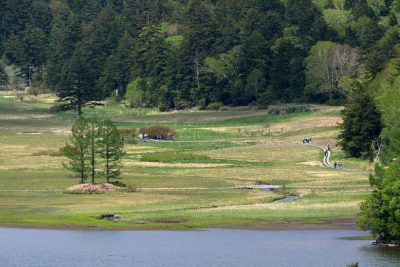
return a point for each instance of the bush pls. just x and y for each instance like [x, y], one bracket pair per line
[37, 90]
[202, 104]
[118, 183]
[154, 132]
[130, 188]
[215, 106]
[182, 104]
[128, 134]
[21, 96]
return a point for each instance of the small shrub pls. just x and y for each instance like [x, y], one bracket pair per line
[21, 96]
[154, 132]
[37, 90]
[131, 188]
[111, 101]
[128, 134]
[118, 183]
[202, 104]
[353, 264]
[182, 104]
[215, 106]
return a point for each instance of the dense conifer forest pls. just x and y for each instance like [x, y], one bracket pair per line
[178, 54]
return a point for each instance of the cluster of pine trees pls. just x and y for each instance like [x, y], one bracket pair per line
[176, 54]
[94, 149]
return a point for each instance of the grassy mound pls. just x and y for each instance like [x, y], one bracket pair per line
[92, 189]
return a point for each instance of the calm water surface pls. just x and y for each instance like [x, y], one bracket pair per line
[22, 247]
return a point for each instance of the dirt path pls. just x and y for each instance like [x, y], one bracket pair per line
[326, 159]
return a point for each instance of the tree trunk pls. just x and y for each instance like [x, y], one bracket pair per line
[107, 165]
[79, 110]
[93, 160]
[197, 65]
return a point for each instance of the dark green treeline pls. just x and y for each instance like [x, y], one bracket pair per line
[184, 53]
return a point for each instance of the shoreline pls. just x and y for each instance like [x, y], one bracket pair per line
[327, 225]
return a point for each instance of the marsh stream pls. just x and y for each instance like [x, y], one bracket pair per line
[215, 247]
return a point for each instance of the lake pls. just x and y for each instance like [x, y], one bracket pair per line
[215, 247]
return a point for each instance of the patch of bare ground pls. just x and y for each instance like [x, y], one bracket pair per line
[310, 163]
[92, 189]
[294, 205]
[337, 224]
[182, 165]
[45, 131]
[6, 117]
[168, 221]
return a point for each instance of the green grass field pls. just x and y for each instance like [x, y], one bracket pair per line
[191, 188]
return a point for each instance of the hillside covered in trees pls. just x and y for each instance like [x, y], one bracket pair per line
[177, 54]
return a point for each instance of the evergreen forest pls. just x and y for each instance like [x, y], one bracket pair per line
[177, 54]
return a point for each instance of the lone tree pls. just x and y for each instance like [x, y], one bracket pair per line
[361, 126]
[110, 146]
[77, 86]
[77, 150]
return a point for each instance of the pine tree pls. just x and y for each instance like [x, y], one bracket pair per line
[361, 126]
[93, 135]
[110, 146]
[27, 51]
[117, 71]
[77, 150]
[391, 149]
[77, 86]
[64, 36]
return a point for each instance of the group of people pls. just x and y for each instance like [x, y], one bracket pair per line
[143, 136]
[337, 165]
[307, 140]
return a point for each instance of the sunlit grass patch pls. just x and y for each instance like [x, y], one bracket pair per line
[169, 157]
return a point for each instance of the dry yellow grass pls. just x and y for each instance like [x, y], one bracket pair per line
[192, 190]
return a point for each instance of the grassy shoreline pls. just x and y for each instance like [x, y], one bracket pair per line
[338, 224]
